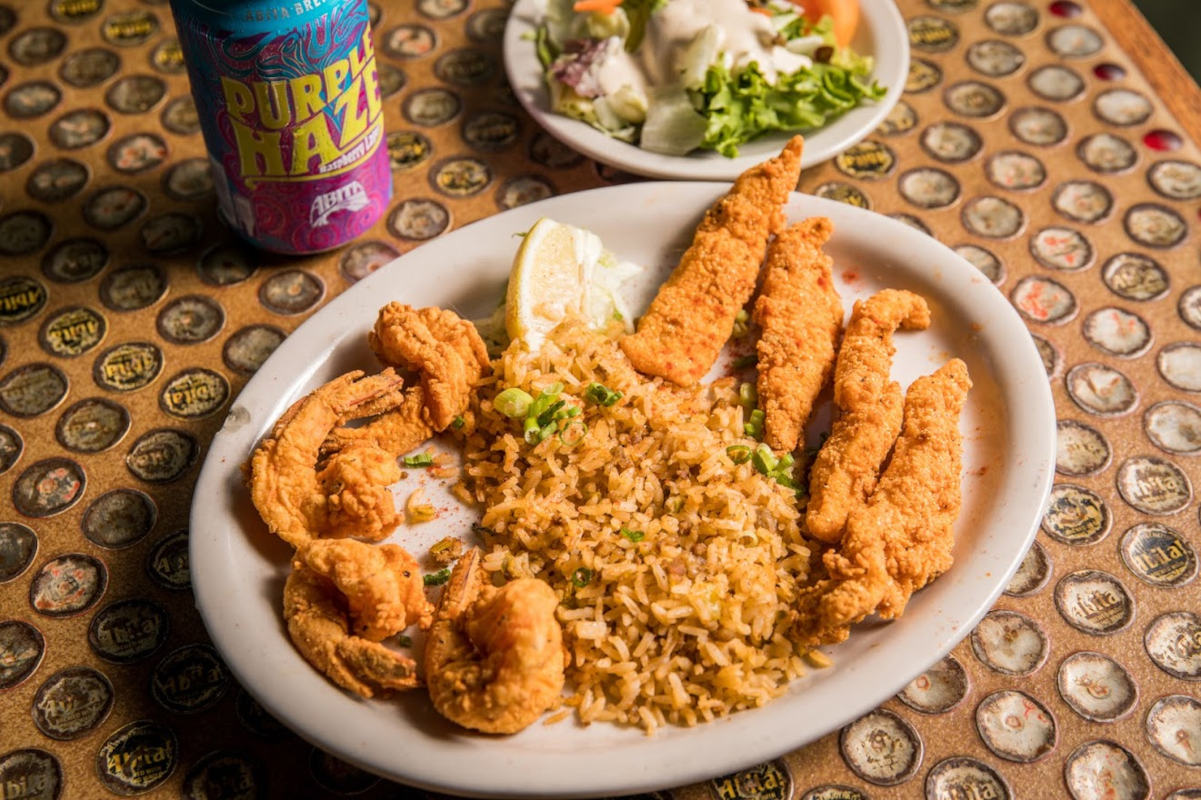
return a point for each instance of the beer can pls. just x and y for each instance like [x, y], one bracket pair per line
[292, 115]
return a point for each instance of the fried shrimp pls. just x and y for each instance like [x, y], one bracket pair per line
[800, 314]
[444, 349]
[680, 335]
[901, 540]
[346, 498]
[358, 501]
[397, 431]
[494, 658]
[382, 585]
[869, 410]
[318, 627]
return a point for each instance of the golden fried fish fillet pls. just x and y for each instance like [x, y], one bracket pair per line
[901, 540]
[443, 348]
[800, 314]
[869, 410]
[680, 335]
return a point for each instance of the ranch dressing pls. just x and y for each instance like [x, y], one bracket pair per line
[619, 69]
[743, 36]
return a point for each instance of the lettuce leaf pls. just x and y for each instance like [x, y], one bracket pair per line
[547, 51]
[742, 106]
[797, 27]
[639, 11]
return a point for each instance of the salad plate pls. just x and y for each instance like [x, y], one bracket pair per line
[238, 568]
[880, 35]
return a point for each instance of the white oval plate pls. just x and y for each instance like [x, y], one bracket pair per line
[238, 569]
[881, 34]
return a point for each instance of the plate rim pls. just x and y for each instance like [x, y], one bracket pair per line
[881, 17]
[215, 475]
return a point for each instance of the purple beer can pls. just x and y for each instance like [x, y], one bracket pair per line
[292, 115]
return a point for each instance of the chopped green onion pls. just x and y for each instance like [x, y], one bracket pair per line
[617, 315]
[442, 545]
[531, 431]
[778, 469]
[581, 577]
[573, 433]
[633, 536]
[601, 395]
[457, 423]
[742, 362]
[544, 399]
[754, 425]
[674, 505]
[437, 578]
[543, 414]
[551, 413]
[739, 453]
[419, 460]
[404, 641]
[513, 402]
[763, 460]
[748, 396]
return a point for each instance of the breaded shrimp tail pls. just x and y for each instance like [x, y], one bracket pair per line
[800, 313]
[901, 540]
[681, 334]
[869, 410]
[446, 350]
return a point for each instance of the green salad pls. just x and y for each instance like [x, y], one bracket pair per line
[673, 76]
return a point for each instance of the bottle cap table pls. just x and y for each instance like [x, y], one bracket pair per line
[1029, 138]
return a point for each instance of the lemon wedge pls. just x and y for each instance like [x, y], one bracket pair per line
[559, 271]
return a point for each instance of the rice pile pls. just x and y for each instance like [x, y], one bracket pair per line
[685, 623]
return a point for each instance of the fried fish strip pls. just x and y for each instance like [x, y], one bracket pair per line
[800, 313]
[443, 348]
[901, 540]
[680, 335]
[869, 410]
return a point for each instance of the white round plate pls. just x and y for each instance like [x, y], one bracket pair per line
[881, 34]
[238, 568]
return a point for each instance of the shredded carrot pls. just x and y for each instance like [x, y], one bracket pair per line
[603, 6]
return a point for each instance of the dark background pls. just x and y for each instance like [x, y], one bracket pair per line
[1179, 23]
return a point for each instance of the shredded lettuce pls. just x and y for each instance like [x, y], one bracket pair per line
[673, 127]
[547, 52]
[742, 106]
[714, 105]
[639, 11]
[797, 27]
